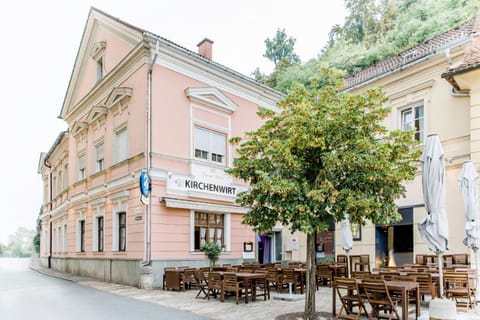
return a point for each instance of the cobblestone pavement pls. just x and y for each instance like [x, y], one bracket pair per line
[213, 308]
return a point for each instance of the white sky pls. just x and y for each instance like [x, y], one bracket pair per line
[40, 40]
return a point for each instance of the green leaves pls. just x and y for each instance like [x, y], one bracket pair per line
[325, 154]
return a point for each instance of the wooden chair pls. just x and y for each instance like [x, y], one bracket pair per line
[349, 294]
[379, 298]
[324, 275]
[425, 284]
[215, 284]
[289, 277]
[231, 284]
[173, 280]
[274, 278]
[165, 276]
[201, 283]
[262, 284]
[420, 259]
[189, 279]
[457, 287]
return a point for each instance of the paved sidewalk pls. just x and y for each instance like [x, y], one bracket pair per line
[213, 308]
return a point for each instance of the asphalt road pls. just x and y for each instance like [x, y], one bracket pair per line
[26, 294]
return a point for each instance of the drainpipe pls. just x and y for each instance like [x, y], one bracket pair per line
[50, 209]
[459, 93]
[148, 233]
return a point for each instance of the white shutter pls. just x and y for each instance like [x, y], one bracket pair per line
[121, 145]
[201, 139]
[218, 143]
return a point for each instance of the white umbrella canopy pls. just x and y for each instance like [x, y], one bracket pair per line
[347, 239]
[468, 184]
[434, 228]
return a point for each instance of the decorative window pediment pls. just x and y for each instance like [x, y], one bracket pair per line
[118, 96]
[97, 50]
[211, 97]
[120, 196]
[79, 127]
[96, 113]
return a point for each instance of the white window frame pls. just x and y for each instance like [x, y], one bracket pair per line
[95, 246]
[65, 177]
[65, 237]
[419, 134]
[82, 166]
[120, 144]
[79, 236]
[208, 145]
[116, 231]
[99, 164]
[100, 67]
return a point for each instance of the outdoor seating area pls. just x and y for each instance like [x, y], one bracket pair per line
[247, 281]
[396, 292]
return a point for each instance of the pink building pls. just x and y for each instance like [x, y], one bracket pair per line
[137, 102]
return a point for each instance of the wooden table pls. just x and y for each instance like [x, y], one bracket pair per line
[403, 287]
[337, 267]
[250, 280]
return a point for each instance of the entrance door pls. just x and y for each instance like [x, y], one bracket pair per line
[270, 247]
[394, 243]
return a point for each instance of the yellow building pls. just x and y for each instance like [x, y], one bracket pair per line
[433, 88]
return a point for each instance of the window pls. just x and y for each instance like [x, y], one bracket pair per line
[209, 146]
[65, 238]
[81, 236]
[413, 119]
[99, 68]
[99, 157]
[120, 145]
[82, 167]
[60, 182]
[122, 231]
[65, 177]
[100, 234]
[208, 227]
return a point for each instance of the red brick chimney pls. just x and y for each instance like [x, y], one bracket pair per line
[205, 48]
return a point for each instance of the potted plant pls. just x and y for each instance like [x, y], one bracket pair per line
[212, 250]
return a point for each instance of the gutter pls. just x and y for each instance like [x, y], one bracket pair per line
[148, 222]
[45, 162]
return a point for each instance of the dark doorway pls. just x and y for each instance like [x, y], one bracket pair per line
[394, 243]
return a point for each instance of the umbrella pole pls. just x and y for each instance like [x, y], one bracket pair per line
[348, 263]
[478, 274]
[440, 272]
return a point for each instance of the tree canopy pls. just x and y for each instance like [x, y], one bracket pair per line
[323, 155]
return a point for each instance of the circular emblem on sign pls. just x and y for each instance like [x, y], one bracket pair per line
[145, 183]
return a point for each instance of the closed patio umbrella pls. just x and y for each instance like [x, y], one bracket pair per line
[434, 227]
[468, 184]
[347, 239]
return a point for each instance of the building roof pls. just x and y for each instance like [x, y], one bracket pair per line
[471, 59]
[414, 55]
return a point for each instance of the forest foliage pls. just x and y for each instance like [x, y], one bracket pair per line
[373, 30]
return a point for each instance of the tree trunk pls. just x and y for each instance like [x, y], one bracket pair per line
[310, 313]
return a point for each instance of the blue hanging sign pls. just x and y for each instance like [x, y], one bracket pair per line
[145, 183]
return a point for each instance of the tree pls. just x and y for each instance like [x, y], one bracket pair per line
[212, 250]
[280, 48]
[20, 244]
[324, 154]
